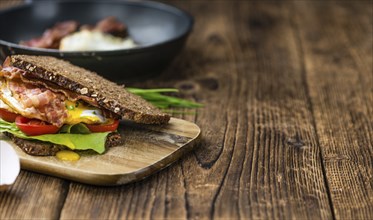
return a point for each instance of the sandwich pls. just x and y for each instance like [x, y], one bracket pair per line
[48, 105]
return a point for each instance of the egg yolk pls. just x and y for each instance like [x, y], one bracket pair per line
[78, 112]
[67, 155]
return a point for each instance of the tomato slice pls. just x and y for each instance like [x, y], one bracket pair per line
[7, 115]
[103, 127]
[33, 127]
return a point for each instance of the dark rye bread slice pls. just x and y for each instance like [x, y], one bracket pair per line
[40, 148]
[108, 95]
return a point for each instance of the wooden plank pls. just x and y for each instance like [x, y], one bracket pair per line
[146, 150]
[33, 195]
[258, 156]
[337, 39]
[275, 170]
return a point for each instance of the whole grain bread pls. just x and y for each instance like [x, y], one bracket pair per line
[107, 94]
[41, 148]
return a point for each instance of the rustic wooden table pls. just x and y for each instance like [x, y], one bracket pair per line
[287, 127]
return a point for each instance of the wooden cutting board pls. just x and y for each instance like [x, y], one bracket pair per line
[146, 150]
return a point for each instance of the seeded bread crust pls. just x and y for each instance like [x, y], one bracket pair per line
[40, 148]
[107, 94]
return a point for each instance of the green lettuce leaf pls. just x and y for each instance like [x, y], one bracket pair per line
[93, 141]
[75, 129]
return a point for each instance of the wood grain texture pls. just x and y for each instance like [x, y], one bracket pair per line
[338, 59]
[268, 166]
[286, 128]
[259, 156]
[33, 195]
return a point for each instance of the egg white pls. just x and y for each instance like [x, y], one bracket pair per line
[13, 104]
[94, 40]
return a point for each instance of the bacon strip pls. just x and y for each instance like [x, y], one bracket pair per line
[49, 106]
[11, 73]
[51, 37]
[48, 99]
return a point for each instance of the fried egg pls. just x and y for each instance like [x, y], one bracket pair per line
[5, 106]
[78, 112]
[10, 102]
[94, 40]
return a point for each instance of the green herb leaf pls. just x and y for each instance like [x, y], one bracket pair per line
[161, 101]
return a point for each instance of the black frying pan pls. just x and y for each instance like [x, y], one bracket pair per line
[160, 29]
